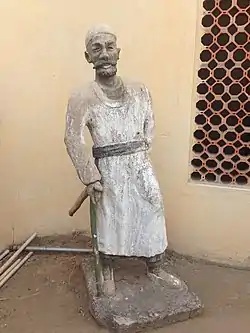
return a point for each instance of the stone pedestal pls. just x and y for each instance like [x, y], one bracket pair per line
[139, 303]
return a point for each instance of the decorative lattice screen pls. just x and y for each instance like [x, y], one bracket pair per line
[221, 147]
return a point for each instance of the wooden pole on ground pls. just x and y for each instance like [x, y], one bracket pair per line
[10, 269]
[4, 254]
[16, 254]
[15, 269]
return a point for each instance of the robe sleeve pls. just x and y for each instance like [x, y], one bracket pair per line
[76, 120]
[149, 122]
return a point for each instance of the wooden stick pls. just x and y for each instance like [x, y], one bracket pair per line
[98, 264]
[4, 254]
[16, 254]
[10, 269]
[82, 197]
[23, 261]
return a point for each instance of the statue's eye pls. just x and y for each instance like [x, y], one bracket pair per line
[96, 47]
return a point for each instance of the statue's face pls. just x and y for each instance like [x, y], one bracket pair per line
[103, 53]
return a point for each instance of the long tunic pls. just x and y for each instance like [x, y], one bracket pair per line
[130, 213]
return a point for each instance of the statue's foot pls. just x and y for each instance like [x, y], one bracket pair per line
[159, 275]
[108, 283]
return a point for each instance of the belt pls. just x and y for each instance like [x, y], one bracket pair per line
[119, 149]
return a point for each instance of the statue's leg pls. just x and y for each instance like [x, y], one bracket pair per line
[155, 272]
[108, 275]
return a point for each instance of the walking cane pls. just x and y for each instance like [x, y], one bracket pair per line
[98, 267]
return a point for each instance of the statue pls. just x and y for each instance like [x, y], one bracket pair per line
[119, 177]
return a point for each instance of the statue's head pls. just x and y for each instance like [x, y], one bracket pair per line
[102, 50]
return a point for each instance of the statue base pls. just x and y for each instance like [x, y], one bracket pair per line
[139, 303]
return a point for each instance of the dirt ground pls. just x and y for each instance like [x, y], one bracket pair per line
[48, 295]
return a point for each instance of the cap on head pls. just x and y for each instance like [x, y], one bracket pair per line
[98, 29]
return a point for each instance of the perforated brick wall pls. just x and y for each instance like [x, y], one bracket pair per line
[221, 140]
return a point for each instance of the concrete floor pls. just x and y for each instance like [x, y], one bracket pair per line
[47, 295]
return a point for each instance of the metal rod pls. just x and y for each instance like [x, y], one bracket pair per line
[9, 269]
[16, 254]
[4, 254]
[56, 249]
[15, 269]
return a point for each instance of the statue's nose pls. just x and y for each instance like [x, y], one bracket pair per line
[104, 55]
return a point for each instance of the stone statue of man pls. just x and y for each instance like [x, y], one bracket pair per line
[119, 177]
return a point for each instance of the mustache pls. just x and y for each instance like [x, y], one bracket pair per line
[104, 63]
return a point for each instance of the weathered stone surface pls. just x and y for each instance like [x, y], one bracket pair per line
[139, 303]
[119, 175]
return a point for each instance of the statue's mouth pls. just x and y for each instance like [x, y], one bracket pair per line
[104, 65]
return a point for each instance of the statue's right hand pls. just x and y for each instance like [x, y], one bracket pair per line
[95, 191]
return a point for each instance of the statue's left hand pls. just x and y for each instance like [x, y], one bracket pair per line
[95, 191]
